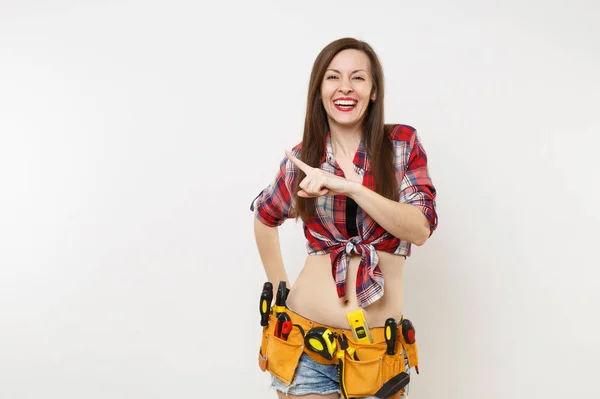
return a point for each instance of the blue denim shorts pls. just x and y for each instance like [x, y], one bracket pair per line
[315, 378]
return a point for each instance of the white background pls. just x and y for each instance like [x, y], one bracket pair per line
[134, 135]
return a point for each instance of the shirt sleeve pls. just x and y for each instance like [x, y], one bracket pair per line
[417, 187]
[275, 203]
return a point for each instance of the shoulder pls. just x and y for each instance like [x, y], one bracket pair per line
[400, 132]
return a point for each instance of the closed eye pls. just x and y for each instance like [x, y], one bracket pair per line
[332, 77]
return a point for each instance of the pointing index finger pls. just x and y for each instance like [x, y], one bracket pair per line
[301, 165]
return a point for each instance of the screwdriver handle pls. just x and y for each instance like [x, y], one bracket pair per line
[268, 288]
[265, 305]
[408, 331]
[266, 298]
[391, 334]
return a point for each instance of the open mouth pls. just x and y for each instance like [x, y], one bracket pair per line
[345, 105]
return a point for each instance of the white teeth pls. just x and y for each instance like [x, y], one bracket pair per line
[345, 102]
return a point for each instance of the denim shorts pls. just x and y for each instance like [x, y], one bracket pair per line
[315, 378]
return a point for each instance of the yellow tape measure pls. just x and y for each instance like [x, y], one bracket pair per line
[322, 341]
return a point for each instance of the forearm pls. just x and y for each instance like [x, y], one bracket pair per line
[404, 221]
[267, 241]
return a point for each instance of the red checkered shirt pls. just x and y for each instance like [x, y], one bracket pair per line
[326, 232]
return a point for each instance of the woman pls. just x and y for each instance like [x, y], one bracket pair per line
[363, 191]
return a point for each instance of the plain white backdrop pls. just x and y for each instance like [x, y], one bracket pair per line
[135, 134]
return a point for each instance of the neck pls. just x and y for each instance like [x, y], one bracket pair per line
[345, 140]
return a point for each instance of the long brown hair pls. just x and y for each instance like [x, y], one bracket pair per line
[376, 139]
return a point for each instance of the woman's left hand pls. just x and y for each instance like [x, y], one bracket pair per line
[317, 182]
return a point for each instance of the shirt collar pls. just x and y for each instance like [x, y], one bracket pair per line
[360, 158]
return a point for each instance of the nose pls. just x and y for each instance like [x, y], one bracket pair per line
[345, 86]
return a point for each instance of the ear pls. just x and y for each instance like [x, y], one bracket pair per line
[373, 96]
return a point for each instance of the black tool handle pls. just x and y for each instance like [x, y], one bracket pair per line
[393, 385]
[268, 288]
[266, 298]
[281, 294]
[408, 331]
[265, 305]
[391, 334]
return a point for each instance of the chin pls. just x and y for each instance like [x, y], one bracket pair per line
[347, 123]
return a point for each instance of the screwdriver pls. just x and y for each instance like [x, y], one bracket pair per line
[408, 332]
[268, 287]
[391, 334]
[265, 303]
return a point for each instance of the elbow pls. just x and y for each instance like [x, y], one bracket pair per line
[423, 229]
[420, 242]
[422, 237]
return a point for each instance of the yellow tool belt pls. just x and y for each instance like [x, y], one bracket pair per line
[362, 377]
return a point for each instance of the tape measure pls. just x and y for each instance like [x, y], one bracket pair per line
[322, 341]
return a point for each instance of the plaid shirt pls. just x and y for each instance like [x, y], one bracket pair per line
[326, 232]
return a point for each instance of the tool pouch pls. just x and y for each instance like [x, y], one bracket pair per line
[364, 377]
[412, 352]
[280, 357]
[262, 352]
[393, 365]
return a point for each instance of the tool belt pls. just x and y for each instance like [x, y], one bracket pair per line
[279, 354]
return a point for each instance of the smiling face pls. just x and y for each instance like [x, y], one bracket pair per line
[347, 88]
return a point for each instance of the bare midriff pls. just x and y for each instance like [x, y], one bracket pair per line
[314, 295]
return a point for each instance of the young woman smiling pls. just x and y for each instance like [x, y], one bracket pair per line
[364, 194]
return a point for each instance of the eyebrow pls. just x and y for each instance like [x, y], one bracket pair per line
[357, 70]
